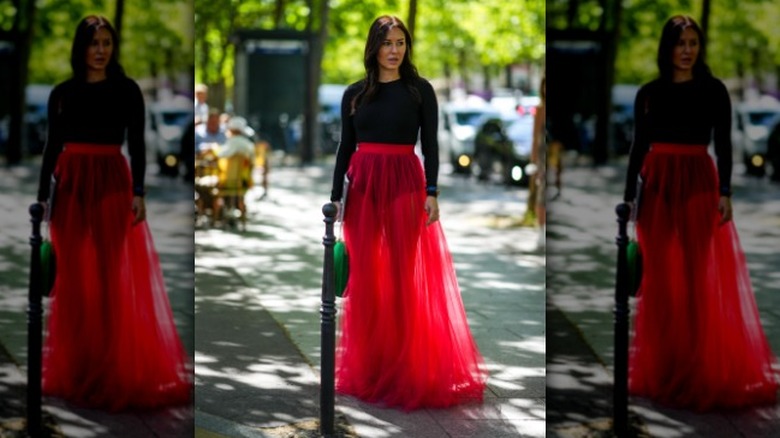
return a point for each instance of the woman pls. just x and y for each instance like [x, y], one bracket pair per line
[111, 342]
[405, 341]
[698, 341]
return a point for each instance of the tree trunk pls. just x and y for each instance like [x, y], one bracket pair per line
[705, 18]
[487, 86]
[571, 13]
[120, 12]
[22, 33]
[610, 38]
[448, 81]
[311, 138]
[464, 70]
[412, 17]
[279, 14]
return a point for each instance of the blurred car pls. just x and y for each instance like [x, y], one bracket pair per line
[167, 123]
[753, 122]
[527, 105]
[330, 116]
[621, 120]
[503, 149]
[36, 119]
[773, 147]
[458, 129]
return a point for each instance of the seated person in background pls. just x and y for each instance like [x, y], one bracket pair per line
[209, 132]
[236, 142]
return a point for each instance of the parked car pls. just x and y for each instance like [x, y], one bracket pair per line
[621, 120]
[457, 131]
[503, 149]
[36, 119]
[167, 122]
[330, 96]
[773, 147]
[753, 122]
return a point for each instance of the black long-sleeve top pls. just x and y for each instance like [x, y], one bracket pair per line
[394, 117]
[692, 112]
[100, 113]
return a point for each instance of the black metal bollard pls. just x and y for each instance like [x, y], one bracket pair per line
[34, 326]
[620, 394]
[328, 328]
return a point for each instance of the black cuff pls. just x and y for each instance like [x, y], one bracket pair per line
[139, 191]
[725, 191]
[432, 191]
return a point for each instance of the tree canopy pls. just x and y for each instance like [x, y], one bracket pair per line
[492, 33]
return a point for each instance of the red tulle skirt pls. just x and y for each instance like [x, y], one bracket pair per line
[405, 340]
[698, 342]
[111, 342]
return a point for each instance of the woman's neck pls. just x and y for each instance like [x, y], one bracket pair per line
[389, 75]
[96, 75]
[682, 75]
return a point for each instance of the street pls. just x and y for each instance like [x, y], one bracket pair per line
[169, 214]
[580, 294]
[257, 301]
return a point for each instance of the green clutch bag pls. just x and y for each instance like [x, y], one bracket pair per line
[634, 258]
[48, 267]
[341, 266]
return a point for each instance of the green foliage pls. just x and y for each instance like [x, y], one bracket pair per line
[487, 33]
[742, 33]
[156, 36]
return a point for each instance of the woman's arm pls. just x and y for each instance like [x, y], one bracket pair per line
[722, 137]
[347, 145]
[640, 144]
[53, 143]
[135, 136]
[429, 125]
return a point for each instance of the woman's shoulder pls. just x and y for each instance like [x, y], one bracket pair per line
[127, 84]
[650, 87]
[714, 84]
[355, 86]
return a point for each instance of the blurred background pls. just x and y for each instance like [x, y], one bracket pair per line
[156, 50]
[283, 65]
[35, 44]
[601, 51]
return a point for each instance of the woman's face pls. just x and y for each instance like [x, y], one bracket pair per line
[392, 51]
[686, 51]
[99, 51]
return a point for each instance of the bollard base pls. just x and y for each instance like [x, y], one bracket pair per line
[16, 427]
[311, 429]
[600, 428]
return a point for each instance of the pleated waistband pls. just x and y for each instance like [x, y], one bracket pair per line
[92, 148]
[678, 149]
[386, 148]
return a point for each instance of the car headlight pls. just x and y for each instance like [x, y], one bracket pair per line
[170, 133]
[463, 133]
[517, 173]
[757, 132]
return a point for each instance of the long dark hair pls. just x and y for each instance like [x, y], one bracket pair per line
[84, 34]
[376, 36]
[670, 36]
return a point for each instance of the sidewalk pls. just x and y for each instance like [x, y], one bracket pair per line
[258, 331]
[169, 211]
[580, 293]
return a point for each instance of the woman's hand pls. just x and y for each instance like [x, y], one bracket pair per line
[338, 210]
[432, 209]
[139, 209]
[724, 208]
[45, 206]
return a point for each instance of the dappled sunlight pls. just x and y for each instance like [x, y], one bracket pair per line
[275, 268]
